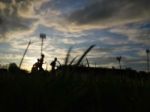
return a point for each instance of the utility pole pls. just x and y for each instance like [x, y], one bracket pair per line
[42, 37]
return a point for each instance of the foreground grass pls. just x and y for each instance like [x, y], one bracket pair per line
[73, 92]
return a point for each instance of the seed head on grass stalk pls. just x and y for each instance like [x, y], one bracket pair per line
[119, 60]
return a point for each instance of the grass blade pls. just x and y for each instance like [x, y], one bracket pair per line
[84, 54]
[68, 56]
[73, 60]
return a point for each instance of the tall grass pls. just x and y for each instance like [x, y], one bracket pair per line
[84, 54]
[68, 56]
[80, 59]
[72, 61]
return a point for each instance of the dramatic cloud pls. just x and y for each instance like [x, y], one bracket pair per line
[117, 27]
[70, 15]
[135, 32]
[109, 11]
[77, 15]
[15, 16]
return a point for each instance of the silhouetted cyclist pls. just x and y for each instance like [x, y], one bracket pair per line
[53, 64]
[41, 60]
[35, 66]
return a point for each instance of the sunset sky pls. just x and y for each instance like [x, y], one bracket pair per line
[117, 27]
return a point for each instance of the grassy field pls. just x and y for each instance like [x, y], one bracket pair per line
[75, 90]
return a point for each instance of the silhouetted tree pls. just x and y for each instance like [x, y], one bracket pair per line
[119, 60]
[42, 37]
[147, 52]
[13, 68]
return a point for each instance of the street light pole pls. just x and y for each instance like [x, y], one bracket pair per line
[42, 36]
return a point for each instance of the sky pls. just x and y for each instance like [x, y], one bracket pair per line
[116, 27]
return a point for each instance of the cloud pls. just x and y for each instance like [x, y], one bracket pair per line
[138, 33]
[100, 10]
[113, 25]
[69, 15]
[77, 15]
[110, 12]
[16, 16]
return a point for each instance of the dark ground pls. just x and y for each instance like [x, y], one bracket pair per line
[75, 90]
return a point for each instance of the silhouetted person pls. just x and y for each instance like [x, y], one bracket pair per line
[53, 64]
[35, 66]
[41, 60]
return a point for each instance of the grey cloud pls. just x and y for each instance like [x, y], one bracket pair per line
[136, 32]
[91, 14]
[10, 20]
[101, 10]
